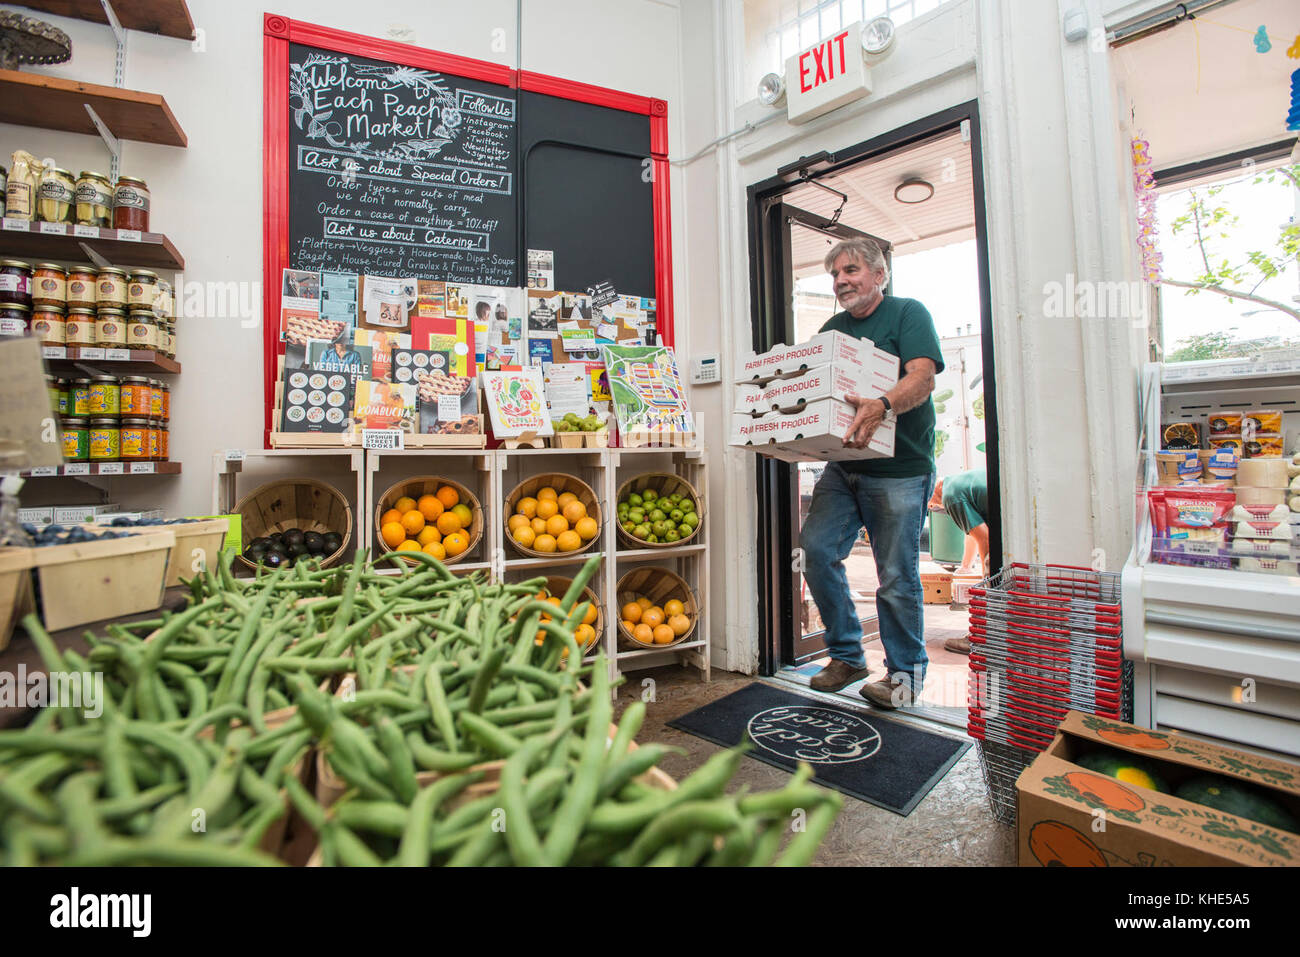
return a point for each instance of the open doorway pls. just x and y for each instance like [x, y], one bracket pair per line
[937, 254]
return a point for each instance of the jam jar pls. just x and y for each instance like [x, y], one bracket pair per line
[134, 437]
[105, 396]
[105, 440]
[49, 285]
[76, 440]
[155, 399]
[141, 330]
[50, 326]
[94, 200]
[80, 398]
[56, 196]
[136, 396]
[82, 281]
[15, 282]
[79, 330]
[155, 441]
[131, 204]
[110, 329]
[110, 288]
[15, 320]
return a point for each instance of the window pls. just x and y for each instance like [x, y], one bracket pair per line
[1237, 233]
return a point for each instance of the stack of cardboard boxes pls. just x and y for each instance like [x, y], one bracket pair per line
[790, 400]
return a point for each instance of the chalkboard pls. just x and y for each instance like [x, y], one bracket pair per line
[587, 192]
[398, 171]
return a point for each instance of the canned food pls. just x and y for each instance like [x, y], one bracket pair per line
[110, 288]
[81, 287]
[80, 398]
[134, 436]
[49, 325]
[110, 328]
[105, 396]
[79, 330]
[49, 285]
[76, 440]
[105, 440]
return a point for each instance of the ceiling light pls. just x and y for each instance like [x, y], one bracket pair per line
[878, 36]
[771, 89]
[913, 191]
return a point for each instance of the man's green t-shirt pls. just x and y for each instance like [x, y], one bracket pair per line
[902, 327]
[966, 499]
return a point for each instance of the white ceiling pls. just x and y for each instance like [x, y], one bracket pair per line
[946, 217]
[1200, 89]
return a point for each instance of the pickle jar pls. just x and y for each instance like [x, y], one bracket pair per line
[110, 288]
[134, 437]
[15, 320]
[49, 285]
[50, 326]
[136, 396]
[131, 204]
[76, 440]
[15, 282]
[141, 332]
[110, 328]
[79, 330]
[105, 440]
[80, 402]
[94, 200]
[56, 196]
[82, 283]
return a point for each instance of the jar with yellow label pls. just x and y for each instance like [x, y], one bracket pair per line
[166, 401]
[105, 396]
[135, 396]
[76, 440]
[141, 332]
[134, 436]
[164, 442]
[49, 326]
[80, 403]
[155, 441]
[81, 287]
[56, 196]
[49, 285]
[79, 330]
[105, 440]
[110, 288]
[110, 328]
[94, 200]
[142, 289]
[155, 399]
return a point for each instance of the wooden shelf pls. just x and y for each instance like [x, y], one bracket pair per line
[571, 559]
[644, 652]
[167, 18]
[20, 239]
[96, 468]
[124, 361]
[648, 554]
[53, 103]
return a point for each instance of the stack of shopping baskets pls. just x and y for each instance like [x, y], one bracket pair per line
[1045, 639]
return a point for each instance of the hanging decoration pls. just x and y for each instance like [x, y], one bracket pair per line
[1262, 44]
[1144, 183]
[1293, 117]
[1293, 51]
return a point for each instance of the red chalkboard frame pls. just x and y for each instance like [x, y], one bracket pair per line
[280, 31]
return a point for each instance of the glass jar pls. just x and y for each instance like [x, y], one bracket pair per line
[131, 204]
[50, 326]
[155, 399]
[105, 396]
[166, 401]
[155, 441]
[76, 440]
[82, 281]
[52, 387]
[141, 332]
[134, 437]
[15, 320]
[164, 442]
[164, 306]
[105, 440]
[94, 200]
[79, 330]
[142, 289]
[15, 282]
[171, 339]
[136, 396]
[64, 399]
[110, 328]
[80, 398]
[56, 196]
[49, 285]
[110, 288]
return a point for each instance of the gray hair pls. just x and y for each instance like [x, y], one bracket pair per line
[866, 251]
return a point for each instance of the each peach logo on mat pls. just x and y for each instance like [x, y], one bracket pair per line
[815, 735]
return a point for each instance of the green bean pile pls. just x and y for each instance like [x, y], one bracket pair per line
[213, 716]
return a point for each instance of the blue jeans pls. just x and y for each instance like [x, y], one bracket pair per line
[893, 512]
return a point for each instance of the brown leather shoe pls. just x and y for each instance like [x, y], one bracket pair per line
[888, 694]
[959, 646]
[837, 675]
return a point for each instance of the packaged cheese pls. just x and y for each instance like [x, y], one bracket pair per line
[1224, 423]
[1259, 546]
[1260, 513]
[1273, 531]
[1262, 420]
[1261, 445]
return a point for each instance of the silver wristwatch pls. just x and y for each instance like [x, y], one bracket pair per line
[890, 414]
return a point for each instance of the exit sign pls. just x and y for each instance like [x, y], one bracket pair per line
[826, 76]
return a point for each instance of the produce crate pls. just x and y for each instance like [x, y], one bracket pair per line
[15, 589]
[205, 538]
[416, 488]
[92, 581]
[300, 503]
[562, 482]
[664, 483]
[659, 585]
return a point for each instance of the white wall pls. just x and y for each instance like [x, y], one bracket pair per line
[208, 198]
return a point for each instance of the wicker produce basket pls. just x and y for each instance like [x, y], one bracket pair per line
[561, 483]
[664, 483]
[558, 585]
[659, 585]
[301, 503]
[427, 485]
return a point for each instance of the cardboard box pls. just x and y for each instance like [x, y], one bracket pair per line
[1072, 816]
[822, 349]
[936, 587]
[36, 516]
[82, 513]
[834, 380]
[813, 434]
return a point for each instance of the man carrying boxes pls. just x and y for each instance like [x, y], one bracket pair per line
[887, 495]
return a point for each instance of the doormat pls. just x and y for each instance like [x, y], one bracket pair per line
[877, 760]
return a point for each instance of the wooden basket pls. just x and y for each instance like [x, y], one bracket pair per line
[659, 585]
[300, 503]
[427, 485]
[92, 581]
[207, 536]
[15, 589]
[558, 585]
[561, 483]
[664, 483]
